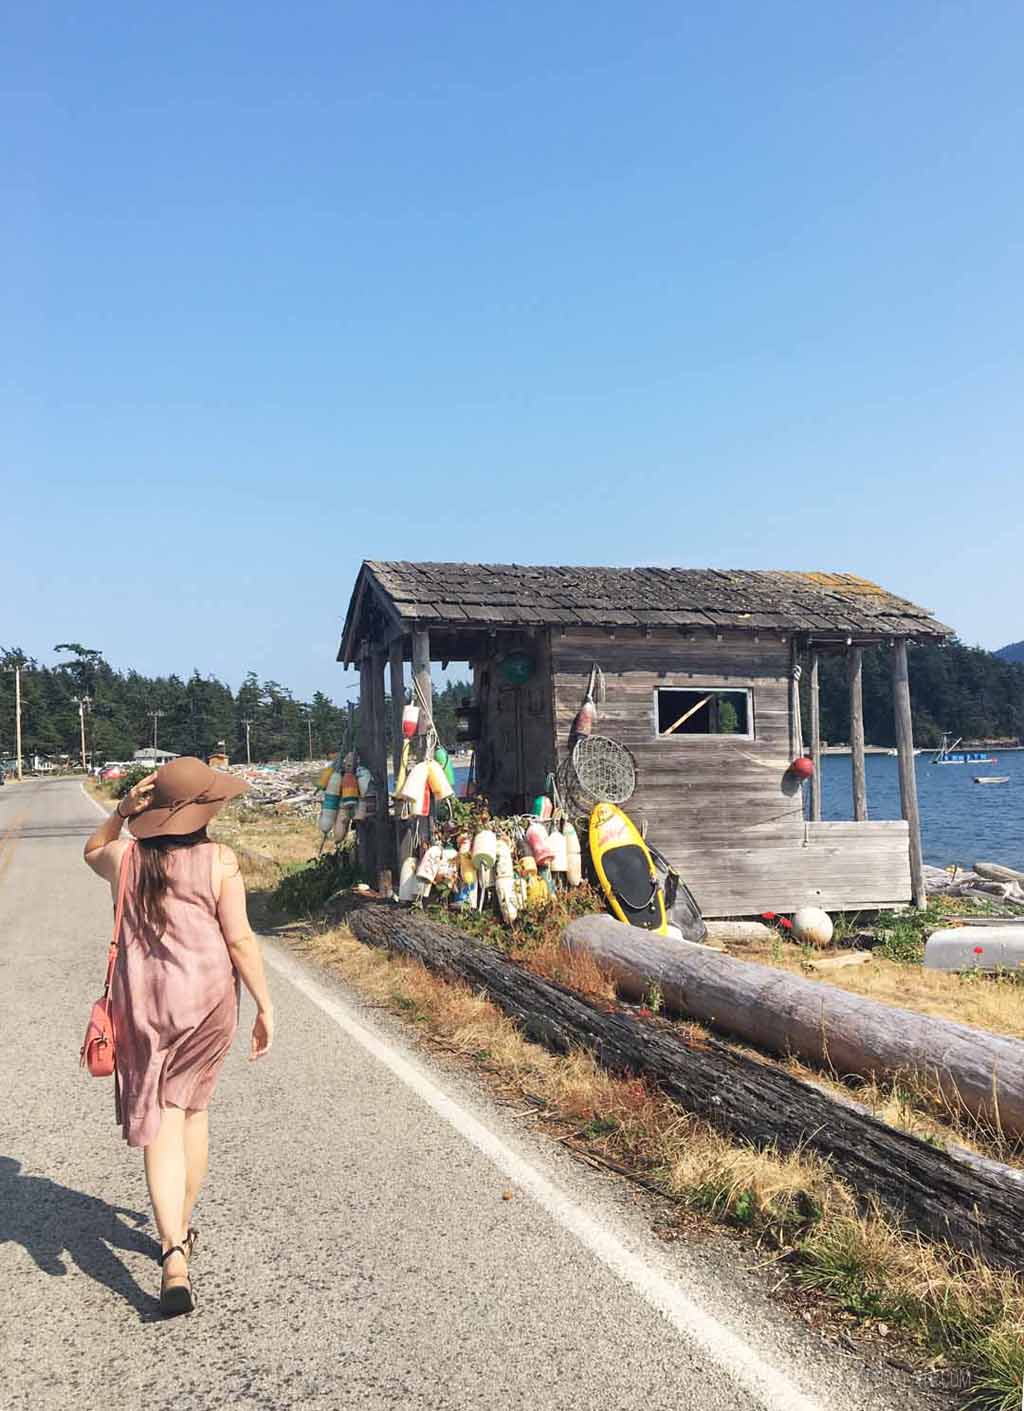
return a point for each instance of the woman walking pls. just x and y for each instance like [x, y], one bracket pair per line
[185, 941]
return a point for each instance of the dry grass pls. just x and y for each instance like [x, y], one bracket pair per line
[954, 1310]
[282, 838]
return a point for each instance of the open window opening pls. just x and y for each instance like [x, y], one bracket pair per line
[710, 710]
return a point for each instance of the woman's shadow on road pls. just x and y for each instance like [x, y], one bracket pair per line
[51, 1221]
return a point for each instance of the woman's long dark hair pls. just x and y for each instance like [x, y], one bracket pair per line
[153, 875]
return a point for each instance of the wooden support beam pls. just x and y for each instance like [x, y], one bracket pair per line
[422, 694]
[815, 738]
[396, 680]
[855, 674]
[396, 675]
[366, 837]
[908, 775]
[384, 849]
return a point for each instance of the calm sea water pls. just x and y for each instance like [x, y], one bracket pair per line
[961, 821]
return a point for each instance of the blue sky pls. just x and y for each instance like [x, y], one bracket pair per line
[285, 287]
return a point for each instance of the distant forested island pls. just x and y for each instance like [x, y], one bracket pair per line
[970, 692]
[1013, 652]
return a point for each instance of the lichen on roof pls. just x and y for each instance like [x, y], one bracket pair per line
[473, 595]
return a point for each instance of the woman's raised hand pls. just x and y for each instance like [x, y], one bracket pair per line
[137, 797]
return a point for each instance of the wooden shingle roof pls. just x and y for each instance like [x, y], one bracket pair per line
[466, 596]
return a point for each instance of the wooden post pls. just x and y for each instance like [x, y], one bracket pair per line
[908, 775]
[422, 694]
[366, 835]
[396, 674]
[403, 830]
[815, 739]
[855, 670]
[378, 762]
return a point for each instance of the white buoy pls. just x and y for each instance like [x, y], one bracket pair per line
[573, 856]
[410, 888]
[812, 926]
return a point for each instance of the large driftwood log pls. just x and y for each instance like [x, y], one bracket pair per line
[786, 1014]
[739, 933]
[929, 1190]
[995, 872]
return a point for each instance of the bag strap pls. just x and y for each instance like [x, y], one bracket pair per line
[122, 884]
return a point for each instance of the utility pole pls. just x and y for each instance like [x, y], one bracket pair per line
[155, 715]
[17, 713]
[248, 748]
[83, 703]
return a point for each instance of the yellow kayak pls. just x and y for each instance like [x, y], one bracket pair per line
[625, 870]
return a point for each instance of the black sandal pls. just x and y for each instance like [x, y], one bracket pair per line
[178, 1298]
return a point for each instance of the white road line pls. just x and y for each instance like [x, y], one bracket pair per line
[95, 802]
[737, 1359]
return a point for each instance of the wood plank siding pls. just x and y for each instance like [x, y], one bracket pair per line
[724, 809]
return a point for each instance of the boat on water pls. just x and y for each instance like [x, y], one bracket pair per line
[949, 754]
[991, 778]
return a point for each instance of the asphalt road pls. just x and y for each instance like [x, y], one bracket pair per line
[357, 1248]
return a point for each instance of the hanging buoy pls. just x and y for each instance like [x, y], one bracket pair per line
[410, 721]
[527, 868]
[403, 767]
[542, 807]
[332, 800]
[537, 893]
[438, 781]
[409, 885]
[559, 852]
[505, 891]
[485, 848]
[539, 843]
[325, 776]
[364, 779]
[341, 827]
[349, 789]
[573, 856]
[444, 760]
[416, 782]
[503, 868]
[429, 864]
[802, 766]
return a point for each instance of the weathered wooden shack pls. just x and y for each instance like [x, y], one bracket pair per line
[703, 684]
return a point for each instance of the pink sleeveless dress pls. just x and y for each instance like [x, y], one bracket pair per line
[173, 999]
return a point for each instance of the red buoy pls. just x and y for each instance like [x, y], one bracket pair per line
[802, 767]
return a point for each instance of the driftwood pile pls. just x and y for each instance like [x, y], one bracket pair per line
[284, 788]
[972, 1204]
[985, 882]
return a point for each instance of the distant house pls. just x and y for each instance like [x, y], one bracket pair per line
[154, 757]
[703, 686]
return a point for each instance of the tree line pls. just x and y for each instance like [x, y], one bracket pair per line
[955, 688]
[961, 689]
[126, 710]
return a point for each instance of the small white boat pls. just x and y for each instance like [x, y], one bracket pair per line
[991, 778]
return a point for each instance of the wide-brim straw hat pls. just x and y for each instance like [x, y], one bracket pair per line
[186, 795]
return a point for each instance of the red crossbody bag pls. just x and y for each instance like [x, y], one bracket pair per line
[97, 1052]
